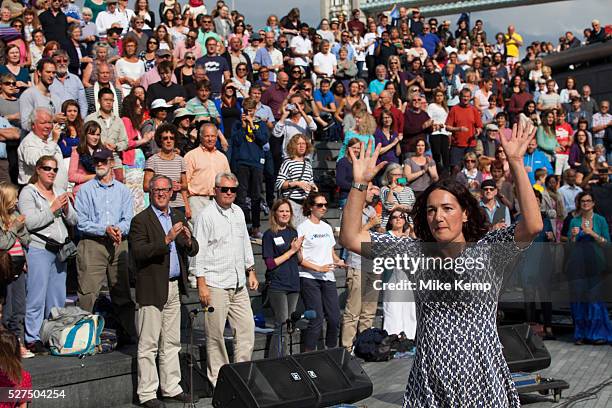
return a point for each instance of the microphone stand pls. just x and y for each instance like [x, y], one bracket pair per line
[191, 404]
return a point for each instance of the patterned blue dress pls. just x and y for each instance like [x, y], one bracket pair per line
[459, 360]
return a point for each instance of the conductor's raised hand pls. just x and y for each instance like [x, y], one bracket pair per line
[516, 147]
[364, 166]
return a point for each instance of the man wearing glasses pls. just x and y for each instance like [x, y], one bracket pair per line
[55, 23]
[67, 85]
[104, 209]
[206, 32]
[161, 242]
[498, 215]
[189, 45]
[225, 270]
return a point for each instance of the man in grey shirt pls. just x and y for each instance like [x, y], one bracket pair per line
[39, 96]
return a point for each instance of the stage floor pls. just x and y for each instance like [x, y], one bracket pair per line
[581, 366]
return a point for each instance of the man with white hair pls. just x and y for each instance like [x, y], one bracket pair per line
[225, 271]
[598, 34]
[37, 144]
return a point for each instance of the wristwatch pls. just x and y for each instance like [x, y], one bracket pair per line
[359, 186]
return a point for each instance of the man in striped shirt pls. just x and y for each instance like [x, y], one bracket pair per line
[224, 268]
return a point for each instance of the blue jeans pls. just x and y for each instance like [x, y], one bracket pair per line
[46, 284]
[322, 297]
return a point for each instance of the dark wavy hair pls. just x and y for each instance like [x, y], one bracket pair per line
[473, 230]
[309, 202]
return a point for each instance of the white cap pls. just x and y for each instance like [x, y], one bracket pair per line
[159, 103]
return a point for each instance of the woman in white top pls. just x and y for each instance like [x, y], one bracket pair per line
[325, 32]
[360, 46]
[37, 47]
[536, 73]
[243, 85]
[163, 36]
[129, 67]
[318, 260]
[370, 39]
[440, 137]
[178, 30]
[481, 96]
[464, 55]
[399, 309]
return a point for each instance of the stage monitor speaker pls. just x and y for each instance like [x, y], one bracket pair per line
[337, 376]
[308, 380]
[523, 350]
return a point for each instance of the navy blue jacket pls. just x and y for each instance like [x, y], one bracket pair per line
[247, 147]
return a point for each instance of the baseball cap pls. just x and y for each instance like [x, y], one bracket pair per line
[162, 53]
[102, 154]
[488, 183]
[492, 127]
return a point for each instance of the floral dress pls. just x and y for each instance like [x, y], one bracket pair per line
[459, 360]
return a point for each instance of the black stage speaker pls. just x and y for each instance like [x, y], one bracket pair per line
[523, 350]
[308, 380]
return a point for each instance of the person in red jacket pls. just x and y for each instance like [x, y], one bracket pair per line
[466, 125]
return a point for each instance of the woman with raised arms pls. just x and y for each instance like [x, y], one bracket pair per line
[459, 360]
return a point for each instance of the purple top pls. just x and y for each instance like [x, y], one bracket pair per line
[390, 156]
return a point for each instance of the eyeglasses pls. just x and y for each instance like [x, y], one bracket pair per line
[470, 161]
[167, 138]
[488, 189]
[590, 152]
[192, 37]
[397, 217]
[320, 205]
[161, 190]
[10, 83]
[61, 60]
[49, 168]
[240, 69]
[190, 58]
[233, 190]
[152, 42]
[586, 200]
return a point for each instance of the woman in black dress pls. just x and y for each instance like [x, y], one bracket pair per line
[459, 360]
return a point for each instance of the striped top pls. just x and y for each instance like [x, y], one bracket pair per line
[17, 249]
[170, 168]
[404, 197]
[291, 170]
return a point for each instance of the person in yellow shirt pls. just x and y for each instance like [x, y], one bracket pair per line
[513, 42]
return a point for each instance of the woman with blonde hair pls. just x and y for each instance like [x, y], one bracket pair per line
[14, 239]
[363, 129]
[280, 251]
[295, 178]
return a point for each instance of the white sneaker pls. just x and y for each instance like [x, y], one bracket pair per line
[25, 353]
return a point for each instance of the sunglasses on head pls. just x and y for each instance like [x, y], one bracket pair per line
[49, 168]
[233, 190]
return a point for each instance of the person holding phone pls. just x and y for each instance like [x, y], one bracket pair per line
[395, 193]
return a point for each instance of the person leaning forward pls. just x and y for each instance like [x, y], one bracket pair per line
[160, 242]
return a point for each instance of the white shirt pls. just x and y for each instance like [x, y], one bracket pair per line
[30, 150]
[317, 248]
[105, 20]
[301, 45]
[225, 247]
[132, 70]
[325, 63]
[438, 115]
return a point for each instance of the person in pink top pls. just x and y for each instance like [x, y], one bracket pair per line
[82, 167]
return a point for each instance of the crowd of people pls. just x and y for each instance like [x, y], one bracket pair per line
[151, 142]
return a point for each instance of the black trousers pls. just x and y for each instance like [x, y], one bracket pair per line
[440, 151]
[250, 180]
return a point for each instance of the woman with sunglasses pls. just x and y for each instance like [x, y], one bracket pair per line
[169, 163]
[469, 176]
[133, 158]
[82, 167]
[295, 76]
[9, 99]
[241, 33]
[318, 261]
[589, 232]
[184, 73]
[47, 210]
[15, 67]
[148, 56]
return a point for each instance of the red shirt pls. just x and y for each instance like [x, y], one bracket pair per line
[23, 385]
[468, 117]
[564, 134]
